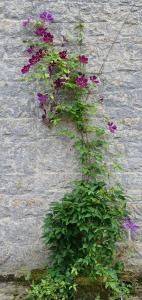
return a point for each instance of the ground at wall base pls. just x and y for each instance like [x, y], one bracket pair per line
[17, 291]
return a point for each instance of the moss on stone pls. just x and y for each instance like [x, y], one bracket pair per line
[88, 289]
[37, 275]
[25, 277]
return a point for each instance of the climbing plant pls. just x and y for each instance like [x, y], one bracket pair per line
[82, 229]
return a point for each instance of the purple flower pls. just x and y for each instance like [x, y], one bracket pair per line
[48, 37]
[30, 49]
[112, 127]
[82, 81]
[42, 98]
[83, 59]
[36, 58]
[95, 79]
[46, 16]
[41, 31]
[59, 83]
[130, 225]
[63, 54]
[25, 69]
[25, 23]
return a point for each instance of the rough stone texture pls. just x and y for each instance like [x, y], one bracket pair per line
[36, 165]
[12, 291]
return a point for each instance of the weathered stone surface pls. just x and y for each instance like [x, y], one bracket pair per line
[37, 165]
[12, 291]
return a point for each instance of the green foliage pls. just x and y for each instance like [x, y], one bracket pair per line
[83, 228]
[81, 232]
[54, 286]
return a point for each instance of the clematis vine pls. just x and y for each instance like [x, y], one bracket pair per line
[40, 31]
[48, 38]
[83, 59]
[30, 49]
[42, 98]
[131, 226]
[112, 127]
[59, 83]
[82, 81]
[65, 91]
[63, 54]
[46, 16]
[25, 69]
[95, 80]
[36, 57]
[25, 23]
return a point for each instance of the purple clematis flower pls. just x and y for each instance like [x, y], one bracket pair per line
[83, 59]
[95, 80]
[25, 23]
[42, 98]
[130, 225]
[82, 81]
[63, 54]
[41, 31]
[48, 37]
[59, 83]
[30, 49]
[25, 69]
[36, 57]
[112, 127]
[46, 16]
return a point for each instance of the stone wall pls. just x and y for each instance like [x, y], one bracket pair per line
[36, 164]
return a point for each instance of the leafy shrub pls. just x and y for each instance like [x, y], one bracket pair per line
[54, 286]
[83, 228]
